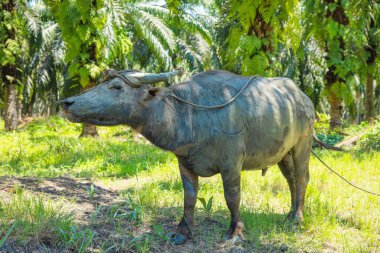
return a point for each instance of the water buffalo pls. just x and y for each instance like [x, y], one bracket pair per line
[269, 122]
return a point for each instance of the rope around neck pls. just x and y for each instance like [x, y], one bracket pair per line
[336, 173]
[214, 106]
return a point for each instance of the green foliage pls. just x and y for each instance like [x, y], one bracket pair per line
[91, 191]
[251, 39]
[84, 37]
[331, 139]
[8, 232]
[324, 133]
[12, 32]
[329, 24]
[370, 141]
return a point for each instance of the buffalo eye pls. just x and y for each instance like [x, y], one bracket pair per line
[116, 87]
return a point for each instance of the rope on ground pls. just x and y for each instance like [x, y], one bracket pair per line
[336, 173]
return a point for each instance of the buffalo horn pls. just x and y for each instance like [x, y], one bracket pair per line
[149, 78]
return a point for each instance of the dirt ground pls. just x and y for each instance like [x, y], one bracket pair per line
[117, 235]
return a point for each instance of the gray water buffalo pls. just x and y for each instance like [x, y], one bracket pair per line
[217, 122]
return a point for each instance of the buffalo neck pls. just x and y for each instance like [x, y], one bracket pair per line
[161, 125]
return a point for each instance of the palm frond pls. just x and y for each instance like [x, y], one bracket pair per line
[115, 18]
[157, 27]
[189, 22]
[155, 45]
[32, 19]
[193, 58]
[202, 45]
[155, 10]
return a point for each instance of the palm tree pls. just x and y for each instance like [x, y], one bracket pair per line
[101, 35]
[17, 26]
[43, 66]
[173, 41]
[365, 39]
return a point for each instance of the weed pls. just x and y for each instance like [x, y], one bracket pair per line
[137, 211]
[91, 192]
[4, 238]
[207, 206]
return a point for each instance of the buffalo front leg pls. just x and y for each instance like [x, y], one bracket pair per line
[190, 186]
[231, 185]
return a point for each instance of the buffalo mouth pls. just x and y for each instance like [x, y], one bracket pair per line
[94, 121]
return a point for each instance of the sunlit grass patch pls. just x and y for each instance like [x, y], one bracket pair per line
[52, 148]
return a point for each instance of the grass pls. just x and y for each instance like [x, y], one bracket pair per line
[30, 219]
[51, 148]
[146, 182]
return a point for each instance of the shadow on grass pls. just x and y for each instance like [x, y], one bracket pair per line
[208, 232]
[209, 229]
[124, 225]
[82, 191]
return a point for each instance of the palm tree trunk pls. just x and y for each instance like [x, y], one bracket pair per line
[8, 75]
[331, 77]
[358, 105]
[371, 49]
[89, 130]
[335, 108]
[11, 115]
[369, 97]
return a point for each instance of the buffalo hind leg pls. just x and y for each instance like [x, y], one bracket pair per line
[301, 156]
[286, 166]
[231, 185]
[190, 186]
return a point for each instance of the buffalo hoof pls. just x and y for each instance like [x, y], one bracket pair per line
[177, 238]
[235, 238]
[294, 220]
[295, 217]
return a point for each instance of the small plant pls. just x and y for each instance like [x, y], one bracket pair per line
[91, 192]
[136, 212]
[207, 206]
[159, 232]
[2, 240]
[79, 239]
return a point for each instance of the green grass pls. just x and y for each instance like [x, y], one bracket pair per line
[337, 217]
[28, 219]
[51, 148]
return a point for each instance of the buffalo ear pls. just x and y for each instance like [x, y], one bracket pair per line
[154, 91]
